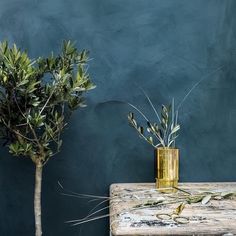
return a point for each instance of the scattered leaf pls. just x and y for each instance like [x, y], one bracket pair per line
[206, 199]
[227, 194]
[180, 208]
[194, 199]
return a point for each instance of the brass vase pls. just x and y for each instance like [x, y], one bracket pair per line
[167, 169]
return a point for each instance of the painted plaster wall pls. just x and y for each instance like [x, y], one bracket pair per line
[164, 46]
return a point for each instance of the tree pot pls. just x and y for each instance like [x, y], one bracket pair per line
[167, 163]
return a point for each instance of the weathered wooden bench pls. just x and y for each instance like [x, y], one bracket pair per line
[134, 209]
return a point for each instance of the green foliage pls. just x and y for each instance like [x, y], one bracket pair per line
[36, 95]
[164, 132]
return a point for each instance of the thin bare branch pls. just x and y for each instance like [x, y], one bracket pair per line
[196, 84]
[150, 102]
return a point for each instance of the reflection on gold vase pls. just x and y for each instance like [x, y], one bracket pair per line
[167, 169]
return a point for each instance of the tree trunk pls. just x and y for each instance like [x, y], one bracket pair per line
[37, 200]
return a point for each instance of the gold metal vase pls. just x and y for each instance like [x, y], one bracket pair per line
[167, 169]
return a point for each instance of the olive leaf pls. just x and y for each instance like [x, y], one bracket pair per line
[180, 208]
[227, 194]
[175, 129]
[194, 199]
[150, 140]
[206, 199]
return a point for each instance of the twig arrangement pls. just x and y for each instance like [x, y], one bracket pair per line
[163, 132]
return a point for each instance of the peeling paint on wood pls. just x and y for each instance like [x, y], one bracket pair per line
[217, 217]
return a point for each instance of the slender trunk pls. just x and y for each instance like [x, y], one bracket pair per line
[37, 200]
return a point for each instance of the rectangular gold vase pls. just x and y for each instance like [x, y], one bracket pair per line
[167, 169]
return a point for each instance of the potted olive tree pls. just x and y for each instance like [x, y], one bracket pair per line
[36, 100]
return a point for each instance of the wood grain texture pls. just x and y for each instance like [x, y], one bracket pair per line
[217, 217]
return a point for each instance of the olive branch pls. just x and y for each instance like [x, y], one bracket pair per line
[165, 131]
[202, 197]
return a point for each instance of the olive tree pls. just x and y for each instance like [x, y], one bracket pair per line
[37, 98]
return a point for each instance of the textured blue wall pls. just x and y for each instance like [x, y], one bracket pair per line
[165, 46]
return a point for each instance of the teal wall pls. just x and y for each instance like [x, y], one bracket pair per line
[165, 46]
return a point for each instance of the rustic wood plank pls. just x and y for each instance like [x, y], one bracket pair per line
[218, 217]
